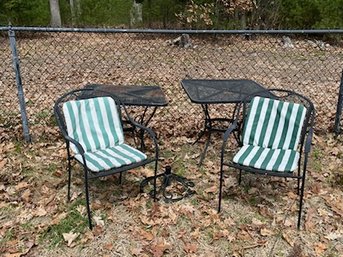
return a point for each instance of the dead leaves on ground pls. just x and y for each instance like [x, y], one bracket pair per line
[254, 214]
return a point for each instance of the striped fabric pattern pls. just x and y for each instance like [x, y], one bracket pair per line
[267, 159]
[96, 125]
[271, 135]
[112, 157]
[273, 124]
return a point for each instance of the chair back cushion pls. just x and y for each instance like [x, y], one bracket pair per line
[94, 123]
[273, 124]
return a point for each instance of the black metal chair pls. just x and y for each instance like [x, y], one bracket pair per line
[92, 129]
[274, 134]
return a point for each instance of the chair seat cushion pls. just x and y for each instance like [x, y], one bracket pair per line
[279, 160]
[112, 157]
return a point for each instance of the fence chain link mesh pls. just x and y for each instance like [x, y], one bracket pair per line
[53, 63]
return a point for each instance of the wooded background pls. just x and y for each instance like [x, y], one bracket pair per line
[188, 14]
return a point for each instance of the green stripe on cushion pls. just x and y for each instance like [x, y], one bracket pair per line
[138, 154]
[94, 123]
[267, 158]
[106, 159]
[273, 124]
[265, 123]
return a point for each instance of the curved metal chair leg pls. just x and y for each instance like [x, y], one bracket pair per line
[220, 187]
[155, 178]
[69, 175]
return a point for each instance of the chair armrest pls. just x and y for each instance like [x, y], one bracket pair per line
[77, 144]
[229, 131]
[227, 134]
[138, 125]
[149, 131]
[308, 141]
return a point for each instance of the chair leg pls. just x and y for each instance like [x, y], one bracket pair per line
[120, 178]
[69, 175]
[87, 200]
[220, 187]
[240, 177]
[298, 185]
[155, 178]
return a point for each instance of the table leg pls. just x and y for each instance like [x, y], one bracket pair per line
[145, 123]
[203, 154]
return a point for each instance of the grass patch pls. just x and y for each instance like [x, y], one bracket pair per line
[74, 221]
[317, 159]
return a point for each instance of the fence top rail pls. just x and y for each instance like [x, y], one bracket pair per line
[170, 31]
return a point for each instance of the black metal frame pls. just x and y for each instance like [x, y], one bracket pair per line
[239, 89]
[209, 128]
[88, 174]
[305, 144]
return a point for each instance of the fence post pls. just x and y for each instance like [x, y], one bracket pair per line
[337, 128]
[21, 96]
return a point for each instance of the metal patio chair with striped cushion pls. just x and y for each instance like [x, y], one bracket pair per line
[271, 135]
[93, 132]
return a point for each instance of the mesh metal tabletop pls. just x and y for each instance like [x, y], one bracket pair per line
[133, 95]
[208, 91]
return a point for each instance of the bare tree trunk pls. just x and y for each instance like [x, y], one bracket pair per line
[55, 13]
[136, 15]
[72, 11]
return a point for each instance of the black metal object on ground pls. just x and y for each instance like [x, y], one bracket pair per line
[173, 187]
[208, 91]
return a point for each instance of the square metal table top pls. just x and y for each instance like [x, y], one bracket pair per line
[133, 94]
[212, 91]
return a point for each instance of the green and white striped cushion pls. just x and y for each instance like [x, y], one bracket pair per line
[94, 123]
[273, 124]
[271, 135]
[280, 160]
[113, 157]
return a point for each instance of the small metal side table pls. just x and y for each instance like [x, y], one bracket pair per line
[208, 91]
[148, 97]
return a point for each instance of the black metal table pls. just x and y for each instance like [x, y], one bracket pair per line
[207, 91]
[148, 97]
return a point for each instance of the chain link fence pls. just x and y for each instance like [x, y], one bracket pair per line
[54, 61]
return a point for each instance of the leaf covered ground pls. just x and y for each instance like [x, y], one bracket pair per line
[258, 217]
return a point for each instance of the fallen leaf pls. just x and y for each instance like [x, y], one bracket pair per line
[3, 163]
[333, 236]
[136, 251]
[320, 248]
[99, 221]
[40, 212]
[108, 246]
[21, 185]
[97, 230]
[211, 189]
[146, 235]
[26, 195]
[190, 248]
[266, 232]
[70, 237]
[289, 238]
[159, 248]
[256, 222]
[309, 221]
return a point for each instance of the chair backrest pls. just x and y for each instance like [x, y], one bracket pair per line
[94, 123]
[272, 123]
